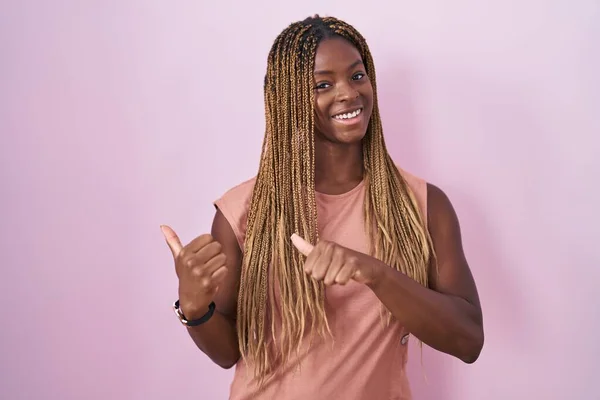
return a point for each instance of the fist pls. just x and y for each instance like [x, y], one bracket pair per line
[334, 264]
[200, 267]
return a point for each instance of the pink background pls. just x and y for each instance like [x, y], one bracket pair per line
[117, 116]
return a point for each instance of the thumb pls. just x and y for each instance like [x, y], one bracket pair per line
[172, 239]
[302, 245]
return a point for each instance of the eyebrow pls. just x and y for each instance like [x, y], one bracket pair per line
[353, 65]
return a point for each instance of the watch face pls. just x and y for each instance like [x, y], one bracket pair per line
[178, 312]
[404, 339]
[192, 323]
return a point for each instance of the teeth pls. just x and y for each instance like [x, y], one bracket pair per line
[348, 115]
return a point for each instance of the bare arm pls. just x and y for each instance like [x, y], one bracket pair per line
[209, 270]
[448, 316]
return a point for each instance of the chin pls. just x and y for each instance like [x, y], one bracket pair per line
[348, 133]
[349, 137]
[345, 132]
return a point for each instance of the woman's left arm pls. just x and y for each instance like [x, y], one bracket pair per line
[447, 316]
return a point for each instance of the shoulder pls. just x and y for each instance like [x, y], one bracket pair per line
[438, 212]
[238, 196]
[418, 188]
[234, 205]
[416, 183]
[441, 211]
[437, 197]
[243, 189]
[436, 207]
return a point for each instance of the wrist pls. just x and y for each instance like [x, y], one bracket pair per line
[193, 311]
[379, 272]
[193, 321]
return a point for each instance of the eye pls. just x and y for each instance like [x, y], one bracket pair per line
[358, 76]
[323, 85]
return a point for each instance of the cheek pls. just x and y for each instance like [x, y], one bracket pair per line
[368, 93]
[322, 115]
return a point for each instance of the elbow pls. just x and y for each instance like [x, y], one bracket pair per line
[228, 363]
[471, 357]
[472, 345]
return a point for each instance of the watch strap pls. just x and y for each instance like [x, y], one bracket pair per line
[194, 322]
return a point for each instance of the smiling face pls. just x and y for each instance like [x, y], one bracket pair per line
[343, 92]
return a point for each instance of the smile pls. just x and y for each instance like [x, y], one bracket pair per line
[348, 116]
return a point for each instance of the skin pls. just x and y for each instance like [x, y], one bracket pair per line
[447, 316]
[199, 284]
[341, 83]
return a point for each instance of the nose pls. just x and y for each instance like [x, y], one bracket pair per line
[346, 92]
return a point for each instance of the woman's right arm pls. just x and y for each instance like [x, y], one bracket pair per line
[217, 338]
[209, 269]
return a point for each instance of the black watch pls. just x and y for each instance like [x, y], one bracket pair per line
[195, 322]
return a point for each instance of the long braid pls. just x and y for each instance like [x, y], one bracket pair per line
[283, 202]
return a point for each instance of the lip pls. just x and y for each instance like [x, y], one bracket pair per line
[351, 121]
[347, 110]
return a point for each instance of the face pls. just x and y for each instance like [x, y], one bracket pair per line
[343, 93]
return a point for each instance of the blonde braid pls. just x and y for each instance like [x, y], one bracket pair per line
[283, 202]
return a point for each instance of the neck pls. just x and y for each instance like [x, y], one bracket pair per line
[338, 167]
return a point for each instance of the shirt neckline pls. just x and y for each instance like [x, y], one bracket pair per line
[342, 195]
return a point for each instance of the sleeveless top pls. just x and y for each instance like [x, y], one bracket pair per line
[366, 359]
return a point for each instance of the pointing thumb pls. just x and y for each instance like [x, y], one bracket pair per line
[172, 239]
[302, 245]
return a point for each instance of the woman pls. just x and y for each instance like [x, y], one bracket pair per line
[317, 269]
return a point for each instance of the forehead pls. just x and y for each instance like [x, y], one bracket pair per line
[335, 54]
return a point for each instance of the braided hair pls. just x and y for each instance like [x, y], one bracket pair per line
[283, 202]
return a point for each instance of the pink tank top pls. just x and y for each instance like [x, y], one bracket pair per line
[366, 359]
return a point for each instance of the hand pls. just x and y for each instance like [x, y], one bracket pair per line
[334, 264]
[200, 267]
